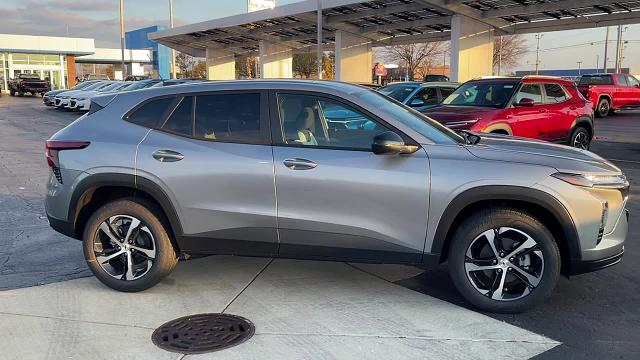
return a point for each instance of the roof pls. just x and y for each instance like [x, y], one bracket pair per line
[387, 22]
[46, 44]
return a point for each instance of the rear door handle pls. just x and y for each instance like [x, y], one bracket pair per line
[542, 110]
[299, 164]
[167, 156]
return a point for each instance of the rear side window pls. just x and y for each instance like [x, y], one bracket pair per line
[150, 114]
[229, 118]
[555, 93]
[445, 92]
[180, 121]
[530, 91]
[596, 80]
[622, 80]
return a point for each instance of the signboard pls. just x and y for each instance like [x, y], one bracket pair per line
[257, 5]
[380, 70]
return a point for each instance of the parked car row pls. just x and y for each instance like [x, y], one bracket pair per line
[79, 97]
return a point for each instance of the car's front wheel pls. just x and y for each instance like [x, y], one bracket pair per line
[504, 260]
[127, 246]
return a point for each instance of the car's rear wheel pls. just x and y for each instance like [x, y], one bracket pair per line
[127, 246]
[580, 138]
[604, 107]
[504, 260]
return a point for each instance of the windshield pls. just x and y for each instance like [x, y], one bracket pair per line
[139, 85]
[596, 80]
[97, 85]
[111, 87]
[422, 124]
[487, 94]
[399, 92]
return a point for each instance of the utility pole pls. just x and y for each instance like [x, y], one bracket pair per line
[619, 48]
[319, 40]
[606, 51]
[173, 51]
[579, 67]
[122, 44]
[538, 37]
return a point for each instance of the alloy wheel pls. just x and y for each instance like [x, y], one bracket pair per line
[581, 141]
[604, 108]
[124, 247]
[504, 264]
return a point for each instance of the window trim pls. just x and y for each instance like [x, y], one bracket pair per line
[265, 123]
[276, 128]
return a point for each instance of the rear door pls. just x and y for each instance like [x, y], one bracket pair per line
[529, 121]
[561, 114]
[338, 200]
[623, 92]
[211, 154]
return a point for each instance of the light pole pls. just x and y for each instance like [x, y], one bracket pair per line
[538, 37]
[606, 50]
[579, 67]
[122, 44]
[173, 51]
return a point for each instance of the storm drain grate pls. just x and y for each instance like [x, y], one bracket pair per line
[196, 334]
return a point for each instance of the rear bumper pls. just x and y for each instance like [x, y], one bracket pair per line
[61, 226]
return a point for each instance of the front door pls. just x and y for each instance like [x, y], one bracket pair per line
[211, 154]
[336, 199]
[634, 91]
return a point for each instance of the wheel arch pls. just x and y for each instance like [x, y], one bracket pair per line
[585, 122]
[539, 204]
[95, 190]
[499, 127]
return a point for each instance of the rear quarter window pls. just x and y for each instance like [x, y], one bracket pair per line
[151, 113]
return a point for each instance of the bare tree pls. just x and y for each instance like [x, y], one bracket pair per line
[185, 63]
[199, 70]
[508, 51]
[305, 65]
[415, 56]
[246, 67]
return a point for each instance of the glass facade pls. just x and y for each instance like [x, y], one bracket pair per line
[51, 67]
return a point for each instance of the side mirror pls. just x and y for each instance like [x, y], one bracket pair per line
[391, 143]
[526, 102]
[416, 103]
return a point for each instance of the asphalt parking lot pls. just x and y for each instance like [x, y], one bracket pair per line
[592, 315]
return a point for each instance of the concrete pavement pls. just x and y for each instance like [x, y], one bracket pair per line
[301, 309]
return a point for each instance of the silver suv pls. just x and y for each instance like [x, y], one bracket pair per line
[254, 168]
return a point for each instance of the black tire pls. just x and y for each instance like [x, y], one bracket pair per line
[580, 138]
[496, 218]
[603, 108]
[165, 254]
[12, 92]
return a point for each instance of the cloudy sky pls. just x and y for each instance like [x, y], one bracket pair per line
[98, 19]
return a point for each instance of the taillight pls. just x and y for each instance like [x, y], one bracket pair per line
[54, 147]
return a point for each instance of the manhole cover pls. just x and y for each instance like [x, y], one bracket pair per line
[195, 334]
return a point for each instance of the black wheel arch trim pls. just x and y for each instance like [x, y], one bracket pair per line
[133, 182]
[506, 192]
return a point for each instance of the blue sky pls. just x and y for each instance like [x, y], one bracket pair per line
[98, 19]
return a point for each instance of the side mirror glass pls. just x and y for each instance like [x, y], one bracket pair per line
[391, 143]
[416, 103]
[526, 102]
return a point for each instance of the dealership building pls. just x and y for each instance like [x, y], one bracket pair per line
[63, 60]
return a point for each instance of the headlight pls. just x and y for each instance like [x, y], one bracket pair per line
[594, 181]
[81, 99]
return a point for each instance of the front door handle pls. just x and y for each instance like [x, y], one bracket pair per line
[167, 156]
[299, 164]
[542, 111]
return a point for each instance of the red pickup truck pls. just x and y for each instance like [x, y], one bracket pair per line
[610, 92]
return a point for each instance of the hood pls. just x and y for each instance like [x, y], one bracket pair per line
[84, 94]
[451, 113]
[69, 93]
[55, 92]
[562, 158]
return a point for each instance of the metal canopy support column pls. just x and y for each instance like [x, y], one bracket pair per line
[276, 61]
[471, 49]
[354, 58]
[221, 65]
[319, 40]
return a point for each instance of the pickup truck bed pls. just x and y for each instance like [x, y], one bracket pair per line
[27, 83]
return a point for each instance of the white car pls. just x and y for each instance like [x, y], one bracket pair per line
[82, 101]
[61, 100]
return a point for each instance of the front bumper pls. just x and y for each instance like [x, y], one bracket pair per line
[62, 103]
[76, 104]
[607, 253]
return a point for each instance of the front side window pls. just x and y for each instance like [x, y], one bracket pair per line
[632, 81]
[229, 118]
[530, 91]
[308, 120]
[150, 114]
[180, 121]
[555, 93]
[486, 94]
